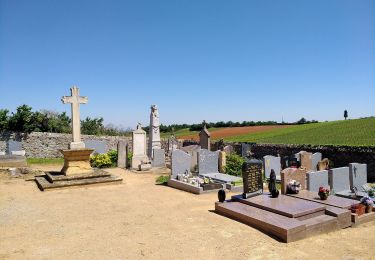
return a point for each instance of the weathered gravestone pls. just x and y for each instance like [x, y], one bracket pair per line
[290, 174]
[222, 161]
[316, 180]
[14, 146]
[316, 158]
[158, 158]
[205, 138]
[208, 162]
[193, 151]
[245, 150]
[252, 178]
[122, 155]
[338, 179]
[357, 176]
[98, 146]
[306, 160]
[172, 144]
[139, 148]
[181, 162]
[272, 163]
[228, 149]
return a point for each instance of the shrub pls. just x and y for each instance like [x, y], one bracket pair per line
[130, 157]
[163, 179]
[100, 160]
[234, 164]
[113, 157]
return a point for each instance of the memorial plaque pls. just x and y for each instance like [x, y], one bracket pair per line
[252, 178]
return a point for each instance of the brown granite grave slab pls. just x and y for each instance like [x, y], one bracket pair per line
[284, 228]
[283, 205]
[289, 174]
[343, 216]
[331, 201]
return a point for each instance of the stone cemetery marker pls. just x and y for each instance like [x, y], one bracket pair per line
[228, 149]
[222, 161]
[158, 158]
[205, 138]
[139, 147]
[306, 160]
[180, 163]
[357, 176]
[246, 150]
[75, 100]
[316, 158]
[172, 144]
[154, 131]
[122, 156]
[208, 162]
[316, 180]
[290, 174]
[193, 151]
[272, 162]
[323, 164]
[338, 179]
[252, 178]
[98, 146]
[14, 146]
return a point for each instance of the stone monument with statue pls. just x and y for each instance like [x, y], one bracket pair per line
[155, 152]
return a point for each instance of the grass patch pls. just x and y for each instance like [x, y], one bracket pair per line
[45, 160]
[163, 179]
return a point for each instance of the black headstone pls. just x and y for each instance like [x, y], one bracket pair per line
[252, 178]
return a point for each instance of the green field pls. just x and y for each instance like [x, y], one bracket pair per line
[356, 132]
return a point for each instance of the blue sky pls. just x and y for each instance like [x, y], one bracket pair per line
[213, 60]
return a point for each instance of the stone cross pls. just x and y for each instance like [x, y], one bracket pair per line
[75, 100]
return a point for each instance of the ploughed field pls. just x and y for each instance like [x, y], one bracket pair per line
[356, 132]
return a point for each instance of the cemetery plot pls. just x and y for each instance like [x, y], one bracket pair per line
[287, 218]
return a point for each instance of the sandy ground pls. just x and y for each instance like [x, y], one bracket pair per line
[141, 220]
[234, 131]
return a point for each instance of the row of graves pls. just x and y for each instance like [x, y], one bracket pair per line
[314, 198]
[198, 170]
[13, 156]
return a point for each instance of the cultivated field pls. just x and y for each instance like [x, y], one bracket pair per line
[357, 132]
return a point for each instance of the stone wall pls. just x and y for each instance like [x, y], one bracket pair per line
[46, 145]
[339, 155]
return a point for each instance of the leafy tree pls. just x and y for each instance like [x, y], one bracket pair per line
[302, 121]
[234, 164]
[22, 120]
[4, 119]
[345, 114]
[92, 126]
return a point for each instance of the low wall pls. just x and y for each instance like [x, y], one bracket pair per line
[46, 145]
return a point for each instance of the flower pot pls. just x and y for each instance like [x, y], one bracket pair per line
[323, 196]
[369, 208]
[358, 209]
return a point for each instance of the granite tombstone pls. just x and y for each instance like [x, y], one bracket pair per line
[252, 178]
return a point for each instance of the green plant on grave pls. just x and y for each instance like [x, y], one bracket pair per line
[163, 179]
[130, 157]
[113, 156]
[234, 164]
[100, 161]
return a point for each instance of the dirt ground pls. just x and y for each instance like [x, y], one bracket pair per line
[234, 131]
[140, 220]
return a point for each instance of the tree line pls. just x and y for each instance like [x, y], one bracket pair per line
[26, 121]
